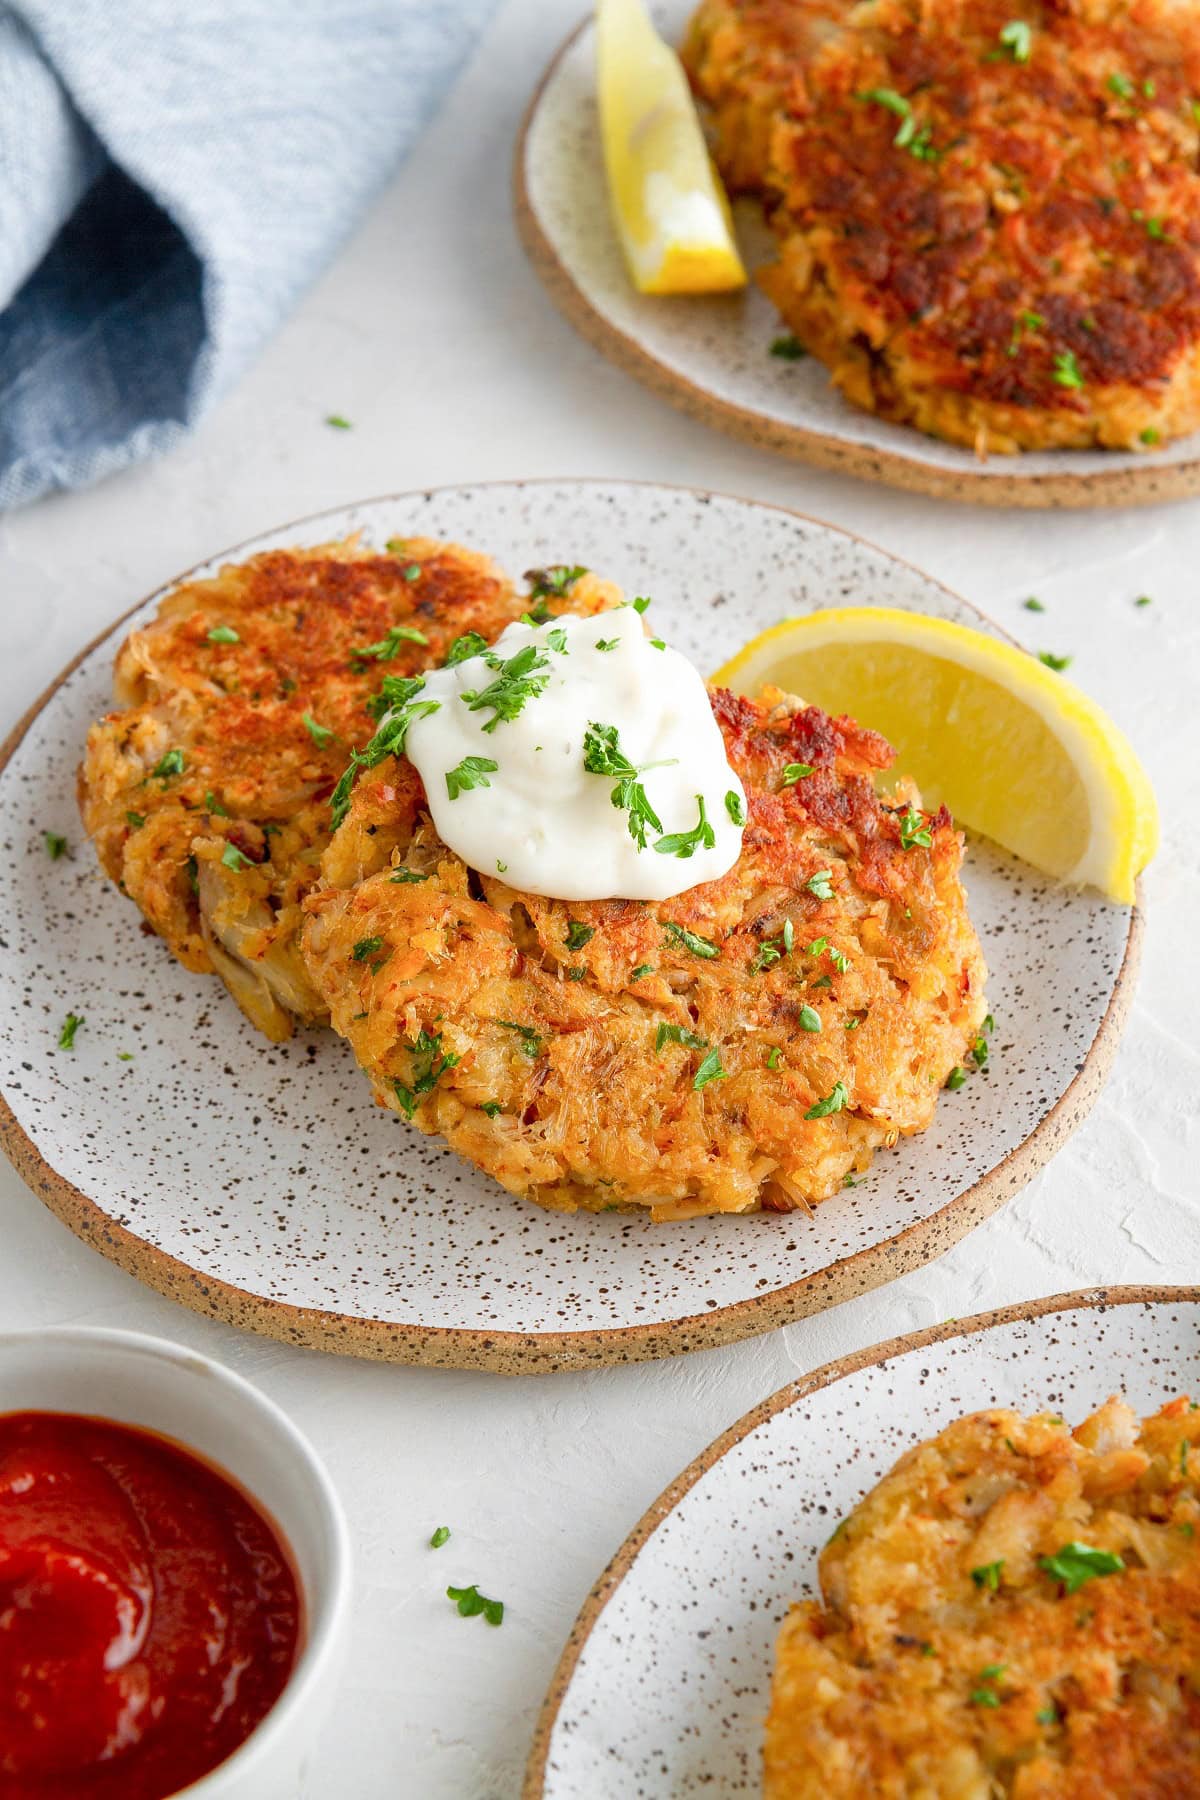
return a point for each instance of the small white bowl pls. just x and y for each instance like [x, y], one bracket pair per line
[163, 1387]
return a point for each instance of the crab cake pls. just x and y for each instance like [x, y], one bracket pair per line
[207, 789]
[1013, 1612]
[988, 224]
[745, 1044]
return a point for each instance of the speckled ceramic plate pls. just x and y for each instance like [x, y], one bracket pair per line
[664, 1683]
[261, 1184]
[711, 355]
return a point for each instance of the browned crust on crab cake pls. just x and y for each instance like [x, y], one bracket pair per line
[264, 726]
[526, 1031]
[947, 1660]
[1022, 270]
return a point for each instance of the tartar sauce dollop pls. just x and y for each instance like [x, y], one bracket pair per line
[579, 759]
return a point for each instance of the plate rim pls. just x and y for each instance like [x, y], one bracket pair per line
[519, 1353]
[617, 1568]
[1145, 484]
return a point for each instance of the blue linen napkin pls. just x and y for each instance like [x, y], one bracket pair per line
[173, 174]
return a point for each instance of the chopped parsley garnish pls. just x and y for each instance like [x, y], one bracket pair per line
[135, 820]
[320, 734]
[1066, 370]
[641, 603]
[412, 573]
[471, 772]
[1076, 1563]
[913, 831]
[1048, 1715]
[1157, 229]
[395, 706]
[642, 969]
[213, 805]
[389, 646]
[602, 755]
[699, 946]
[710, 1070]
[908, 136]
[838, 958]
[794, 772]
[1033, 604]
[987, 1575]
[557, 641]
[395, 546]
[955, 1079]
[1024, 321]
[677, 1034]
[772, 1058]
[70, 1025]
[735, 806]
[821, 884]
[56, 845]
[579, 934]
[428, 1067]
[658, 643]
[171, 764]
[686, 843]
[607, 643]
[1017, 38]
[834, 1101]
[531, 1043]
[982, 1696]
[1143, 600]
[810, 1019]
[223, 634]
[235, 859]
[365, 947]
[1055, 662]
[490, 1107]
[788, 348]
[402, 876]
[469, 644]
[338, 422]
[554, 582]
[1148, 436]
[441, 1536]
[470, 1601]
[1121, 86]
[772, 949]
[519, 678]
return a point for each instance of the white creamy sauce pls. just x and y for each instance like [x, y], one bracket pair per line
[545, 821]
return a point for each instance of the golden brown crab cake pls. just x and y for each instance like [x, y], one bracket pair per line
[1014, 1611]
[988, 223]
[745, 1044]
[207, 789]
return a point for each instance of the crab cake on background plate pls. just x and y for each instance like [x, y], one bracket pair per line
[1013, 1611]
[988, 219]
[744, 1044]
[207, 790]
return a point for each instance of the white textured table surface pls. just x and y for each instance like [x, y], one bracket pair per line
[434, 338]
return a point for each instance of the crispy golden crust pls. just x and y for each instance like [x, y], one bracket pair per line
[1022, 270]
[948, 1663]
[561, 1089]
[254, 775]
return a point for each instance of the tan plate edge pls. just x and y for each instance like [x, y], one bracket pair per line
[615, 1572]
[521, 1353]
[1141, 486]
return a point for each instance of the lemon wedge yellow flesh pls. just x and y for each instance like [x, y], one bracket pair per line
[670, 208]
[1015, 750]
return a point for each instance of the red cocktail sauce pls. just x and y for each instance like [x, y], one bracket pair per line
[149, 1612]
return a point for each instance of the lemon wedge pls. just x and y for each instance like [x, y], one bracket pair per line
[670, 208]
[1015, 750]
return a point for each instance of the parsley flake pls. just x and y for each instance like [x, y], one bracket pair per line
[987, 1575]
[579, 934]
[70, 1025]
[135, 820]
[835, 1100]
[677, 1034]
[685, 843]
[1055, 662]
[554, 582]
[223, 634]
[955, 1079]
[1143, 600]
[531, 1043]
[794, 772]
[171, 764]
[810, 1019]
[470, 1602]
[602, 755]
[642, 969]
[441, 1536]
[821, 884]
[1033, 604]
[699, 946]
[429, 1064]
[735, 806]
[606, 643]
[389, 646]
[1017, 38]
[235, 859]
[338, 422]
[1076, 1563]
[490, 1107]
[772, 1058]
[471, 772]
[403, 876]
[1066, 370]
[366, 947]
[1148, 436]
[395, 707]
[469, 644]
[320, 734]
[788, 348]
[710, 1070]
[519, 678]
[56, 845]
[913, 831]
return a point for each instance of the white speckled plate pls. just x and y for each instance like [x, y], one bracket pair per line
[710, 355]
[664, 1683]
[260, 1183]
